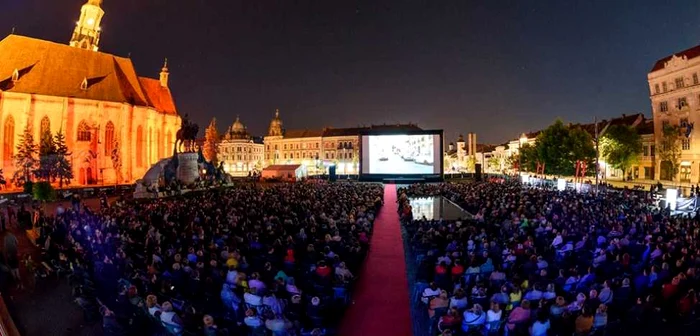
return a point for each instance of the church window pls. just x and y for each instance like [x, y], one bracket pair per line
[169, 141]
[664, 86]
[139, 146]
[8, 140]
[657, 90]
[663, 106]
[15, 75]
[83, 131]
[159, 145]
[109, 138]
[45, 126]
[695, 79]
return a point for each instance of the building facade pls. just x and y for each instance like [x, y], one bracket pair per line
[318, 149]
[674, 91]
[99, 106]
[240, 153]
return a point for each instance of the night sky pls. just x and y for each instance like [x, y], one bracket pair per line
[496, 68]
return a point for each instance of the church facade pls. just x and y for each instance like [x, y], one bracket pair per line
[97, 100]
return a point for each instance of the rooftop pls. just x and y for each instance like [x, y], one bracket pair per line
[54, 69]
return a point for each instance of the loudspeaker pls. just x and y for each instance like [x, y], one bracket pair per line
[477, 171]
[331, 174]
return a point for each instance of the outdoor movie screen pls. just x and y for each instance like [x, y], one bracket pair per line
[401, 154]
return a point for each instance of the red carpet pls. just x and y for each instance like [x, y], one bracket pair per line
[381, 305]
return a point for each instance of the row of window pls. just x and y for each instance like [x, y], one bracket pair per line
[228, 149]
[84, 134]
[680, 103]
[679, 84]
[240, 157]
[315, 145]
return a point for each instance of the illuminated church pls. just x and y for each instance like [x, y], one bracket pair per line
[96, 99]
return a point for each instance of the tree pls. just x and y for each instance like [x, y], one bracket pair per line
[46, 170]
[551, 148]
[470, 165]
[580, 147]
[25, 159]
[559, 147]
[528, 157]
[211, 141]
[116, 162]
[494, 164]
[621, 147]
[63, 167]
[669, 151]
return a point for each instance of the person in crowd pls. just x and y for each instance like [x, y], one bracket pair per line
[600, 248]
[541, 325]
[584, 322]
[253, 253]
[474, 318]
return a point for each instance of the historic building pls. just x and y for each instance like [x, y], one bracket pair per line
[239, 151]
[674, 90]
[318, 149]
[500, 158]
[96, 99]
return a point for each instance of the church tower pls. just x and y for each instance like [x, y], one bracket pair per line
[87, 31]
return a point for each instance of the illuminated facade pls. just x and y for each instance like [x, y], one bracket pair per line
[674, 90]
[239, 152]
[98, 105]
[318, 149]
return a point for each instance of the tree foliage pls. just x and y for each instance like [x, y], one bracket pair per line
[669, 150]
[25, 159]
[46, 169]
[211, 141]
[621, 147]
[560, 146]
[494, 163]
[64, 169]
[528, 157]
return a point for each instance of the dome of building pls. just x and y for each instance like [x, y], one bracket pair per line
[237, 126]
[275, 125]
[236, 131]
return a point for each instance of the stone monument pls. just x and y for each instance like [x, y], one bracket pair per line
[188, 168]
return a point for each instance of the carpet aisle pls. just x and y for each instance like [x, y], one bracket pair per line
[381, 305]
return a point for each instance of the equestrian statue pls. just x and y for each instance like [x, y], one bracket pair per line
[186, 136]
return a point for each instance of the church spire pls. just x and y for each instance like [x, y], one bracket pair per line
[164, 74]
[87, 30]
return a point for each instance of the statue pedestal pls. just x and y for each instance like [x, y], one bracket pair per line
[187, 169]
[141, 191]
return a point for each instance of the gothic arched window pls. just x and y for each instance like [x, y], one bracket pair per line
[8, 138]
[109, 138]
[139, 146]
[83, 131]
[159, 145]
[45, 126]
[170, 143]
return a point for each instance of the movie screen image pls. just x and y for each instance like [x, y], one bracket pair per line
[401, 154]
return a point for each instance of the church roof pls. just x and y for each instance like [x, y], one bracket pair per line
[53, 69]
[158, 96]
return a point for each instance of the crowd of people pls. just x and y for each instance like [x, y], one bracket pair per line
[251, 260]
[534, 261]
